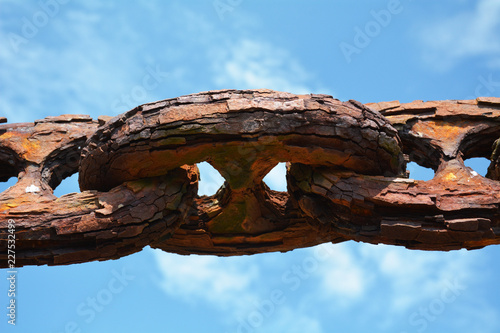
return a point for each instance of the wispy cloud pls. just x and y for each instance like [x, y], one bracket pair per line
[236, 60]
[253, 64]
[292, 321]
[52, 74]
[235, 285]
[342, 276]
[386, 282]
[448, 41]
[397, 280]
[414, 276]
[50, 78]
[222, 282]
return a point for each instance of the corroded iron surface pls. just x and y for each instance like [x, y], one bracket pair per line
[346, 174]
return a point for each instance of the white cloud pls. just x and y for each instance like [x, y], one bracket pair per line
[237, 62]
[386, 282]
[52, 74]
[447, 41]
[390, 282]
[224, 282]
[416, 276]
[47, 78]
[341, 274]
[236, 286]
[253, 64]
[79, 62]
[291, 321]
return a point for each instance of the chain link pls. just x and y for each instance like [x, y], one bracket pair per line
[346, 175]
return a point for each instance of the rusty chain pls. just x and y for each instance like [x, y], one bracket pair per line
[346, 177]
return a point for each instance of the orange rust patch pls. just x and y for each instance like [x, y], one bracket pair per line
[7, 135]
[22, 142]
[31, 146]
[8, 206]
[441, 130]
[450, 177]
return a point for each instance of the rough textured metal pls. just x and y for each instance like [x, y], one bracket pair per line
[346, 176]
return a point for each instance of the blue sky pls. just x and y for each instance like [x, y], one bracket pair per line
[87, 57]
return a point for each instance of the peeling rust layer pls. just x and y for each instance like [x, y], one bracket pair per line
[243, 134]
[346, 176]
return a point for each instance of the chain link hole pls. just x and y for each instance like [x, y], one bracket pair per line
[10, 182]
[276, 178]
[418, 172]
[478, 164]
[67, 185]
[210, 179]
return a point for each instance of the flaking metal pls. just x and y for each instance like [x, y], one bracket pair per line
[346, 174]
